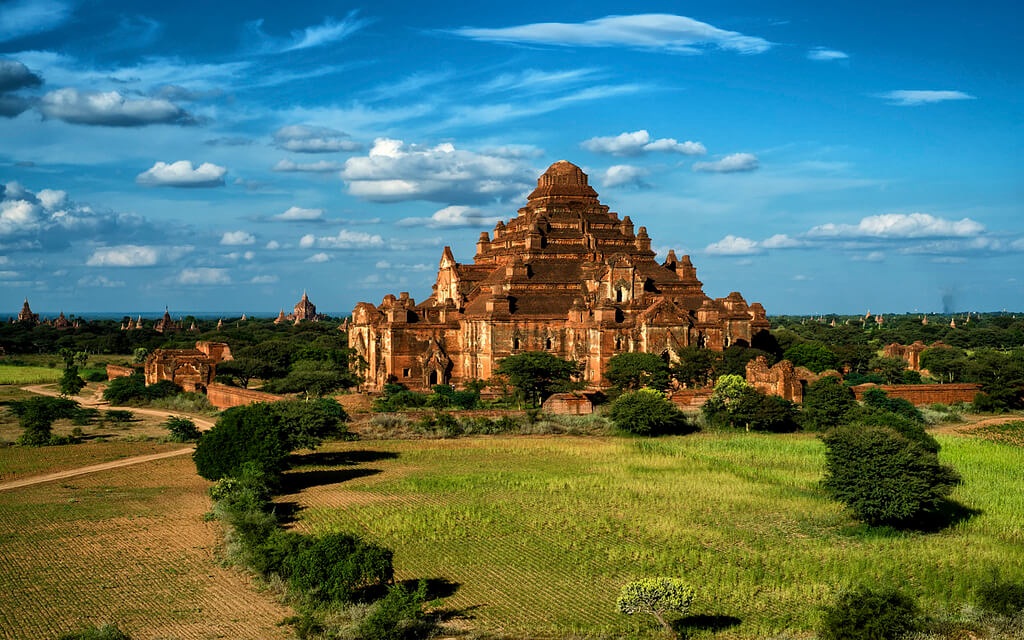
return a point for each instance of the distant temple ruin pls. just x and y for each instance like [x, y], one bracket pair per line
[304, 311]
[566, 276]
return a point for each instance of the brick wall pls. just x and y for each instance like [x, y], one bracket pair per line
[925, 393]
[222, 396]
[691, 398]
[117, 371]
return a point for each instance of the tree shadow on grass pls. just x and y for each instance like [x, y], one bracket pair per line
[949, 514]
[338, 458]
[295, 481]
[436, 588]
[704, 622]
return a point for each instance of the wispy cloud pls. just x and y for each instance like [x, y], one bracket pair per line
[637, 143]
[182, 174]
[914, 98]
[321, 166]
[900, 225]
[203, 276]
[20, 18]
[344, 239]
[652, 32]
[309, 139]
[298, 214]
[734, 163]
[821, 54]
[329, 31]
[130, 255]
[452, 217]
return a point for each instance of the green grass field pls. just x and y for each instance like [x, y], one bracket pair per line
[14, 374]
[539, 533]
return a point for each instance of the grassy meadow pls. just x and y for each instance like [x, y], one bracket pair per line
[537, 534]
[28, 374]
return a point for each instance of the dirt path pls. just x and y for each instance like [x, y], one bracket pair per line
[964, 428]
[96, 401]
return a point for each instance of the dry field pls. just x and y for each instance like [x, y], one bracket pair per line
[128, 546]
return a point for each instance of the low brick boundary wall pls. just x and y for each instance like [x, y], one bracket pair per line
[117, 371]
[918, 394]
[691, 398]
[223, 397]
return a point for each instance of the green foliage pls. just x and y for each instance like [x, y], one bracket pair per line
[632, 371]
[36, 416]
[814, 355]
[906, 427]
[139, 355]
[826, 402]
[336, 566]
[866, 614]
[102, 632]
[182, 429]
[132, 390]
[891, 369]
[737, 404]
[945, 363]
[538, 374]
[398, 615]
[1001, 597]
[119, 416]
[695, 367]
[265, 434]
[656, 596]
[70, 383]
[878, 399]
[648, 413]
[884, 477]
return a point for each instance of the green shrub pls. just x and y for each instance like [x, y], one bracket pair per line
[36, 417]
[120, 415]
[336, 566]
[182, 429]
[1001, 597]
[85, 416]
[879, 399]
[884, 477]
[95, 375]
[646, 412]
[826, 403]
[656, 596]
[103, 632]
[864, 614]
[125, 389]
[398, 615]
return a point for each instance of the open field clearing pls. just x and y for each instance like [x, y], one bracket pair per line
[539, 533]
[128, 546]
[10, 374]
[21, 462]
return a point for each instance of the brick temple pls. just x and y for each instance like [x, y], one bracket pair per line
[567, 276]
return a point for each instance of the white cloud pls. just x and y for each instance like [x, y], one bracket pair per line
[871, 256]
[273, 245]
[345, 239]
[15, 75]
[733, 163]
[266, 279]
[822, 54]
[237, 238]
[638, 142]
[110, 109]
[300, 214]
[318, 257]
[451, 217]
[24, 17]
[131, 255]
[653, 32]
[322, 166]
[733, 246]
[181, 174]
[331, 30]
[781, 241]
[18, 216]
[900, 225]
[913, 98]
[624, 175]
[204, 276]
[301, 138]
[100, 281]
[394, 171]
[52, 199]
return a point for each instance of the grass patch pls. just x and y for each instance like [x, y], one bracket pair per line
[16, 374]
[540, 533]
[1008, 432]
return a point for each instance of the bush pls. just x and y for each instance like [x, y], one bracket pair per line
[646, 412]
[878, 399]
[1001, 597]
[182, 429]
[336, 566]
[826, 403]
[884, 477]
[125, 389]
[398, 615]
[120, 415]
[36, 417]
[864, 614]
[103, 632]
[85, 416]
[656, 596]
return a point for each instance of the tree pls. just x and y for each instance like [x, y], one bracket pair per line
[631, 371]
[182, 429]
[538, 374]
[813, 355]
[36, 417]
[889, 368]
[647, 412]
[884, 477]
[762, 412]
[658, 597]
[947, 364]
[825, 403]
[696, 366]
[866, 614]
[333, 567]
[70, 382]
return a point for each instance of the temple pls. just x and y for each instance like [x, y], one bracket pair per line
[304, 311]
[567, 276]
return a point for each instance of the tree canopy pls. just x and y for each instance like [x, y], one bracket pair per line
[538, 374]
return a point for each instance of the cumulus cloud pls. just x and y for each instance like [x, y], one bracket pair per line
[12, 105]
[733, 246]
[318, 257]
[14, 75]
[237, 238]
[639, 142]
[733, 163]
[182, 174]
[452, 217]
[621, 175]
[913, 98]
[900, 225]
[651, 32]
[19, 216]
[821, 54]
[273, 245]
[782, 241]
[394, 171]
[322, 166]
[111, 109]
[131, 255]
[203, 276]
[345, 239]
[300, 214]
[301, 138]
[25, 17]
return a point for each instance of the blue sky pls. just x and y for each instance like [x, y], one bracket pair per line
[817, 157]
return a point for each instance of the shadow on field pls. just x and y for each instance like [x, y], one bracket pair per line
[949, 514]
[704, 622]
[338, 458]
[295, 481]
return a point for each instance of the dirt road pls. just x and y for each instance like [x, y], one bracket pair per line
[95, 400]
